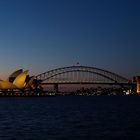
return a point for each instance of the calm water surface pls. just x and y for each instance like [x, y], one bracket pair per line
[70, 118]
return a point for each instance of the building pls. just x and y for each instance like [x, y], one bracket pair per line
[136, 80]
[18, 80]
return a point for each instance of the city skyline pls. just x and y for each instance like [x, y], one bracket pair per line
[41, 35]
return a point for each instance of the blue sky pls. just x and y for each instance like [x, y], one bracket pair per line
[40, 35]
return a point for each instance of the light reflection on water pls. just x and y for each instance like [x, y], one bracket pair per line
[72, 117]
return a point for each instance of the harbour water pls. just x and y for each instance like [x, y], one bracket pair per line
[70, 118]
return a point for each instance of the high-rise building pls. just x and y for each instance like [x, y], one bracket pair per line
[136, 80]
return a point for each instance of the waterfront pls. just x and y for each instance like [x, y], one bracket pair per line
[70, 117]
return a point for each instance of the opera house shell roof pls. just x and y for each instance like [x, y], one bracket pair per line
[17, 80]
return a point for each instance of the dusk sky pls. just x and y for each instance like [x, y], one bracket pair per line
[40, 35]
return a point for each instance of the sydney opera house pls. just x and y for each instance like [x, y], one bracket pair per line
[19, 80]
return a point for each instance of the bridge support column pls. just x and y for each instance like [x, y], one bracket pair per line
[56, 88]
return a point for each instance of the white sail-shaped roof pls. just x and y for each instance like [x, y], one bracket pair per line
[19, 82]
[30, 83]
[6, 85]
[16, 73]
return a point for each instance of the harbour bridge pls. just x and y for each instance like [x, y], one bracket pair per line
[81, 75]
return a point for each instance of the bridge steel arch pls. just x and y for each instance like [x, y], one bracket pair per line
[50, 76]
